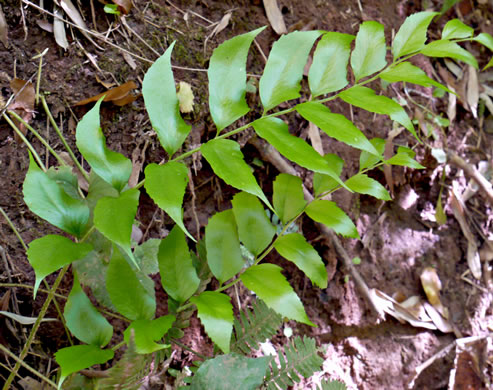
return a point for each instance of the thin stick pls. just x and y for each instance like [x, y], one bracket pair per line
[27, 286]
[27, 367]
[418, 370]
[35, 327]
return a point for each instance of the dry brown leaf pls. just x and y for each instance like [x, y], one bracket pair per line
[119, 95]
[223, 23]
[452, 105]
[4, 301]
[466, 374]
[439, 321]
[129, 59]
[275, 17]
[432, 285]
[316, 140]
[74, 15]
[390, 306]
[59, 31]
[3, 29]
[137, 163]
[124, 6]
[45, 25]
[104, 83]
[472, 94]
[23, 103]
[458, 207]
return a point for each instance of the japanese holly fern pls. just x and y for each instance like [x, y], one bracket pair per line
[102, 253]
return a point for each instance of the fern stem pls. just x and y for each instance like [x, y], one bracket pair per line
[181, 345]
[35, 327]
[118, 346]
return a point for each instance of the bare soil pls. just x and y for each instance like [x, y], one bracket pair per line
[398, 240]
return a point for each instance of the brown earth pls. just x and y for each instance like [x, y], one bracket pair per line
[398, 238]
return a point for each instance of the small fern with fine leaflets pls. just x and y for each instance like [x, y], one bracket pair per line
[254, 327]
[332, 385]
[129, 371]
[298, 359]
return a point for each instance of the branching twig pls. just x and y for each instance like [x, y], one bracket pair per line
[272, 155]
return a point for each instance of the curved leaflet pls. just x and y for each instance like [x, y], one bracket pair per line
[147, 332]
[254, 228]
[405, 71]
[47, 199]
[223, 246]
[166, 185]
[284, 69]
[78, 357]
[126, 292]
[335, 125]
[296, 249]
[446, 48]
[178, 276]
[288, 197]
[111, 166]
[276, 132]
[328, 71]
[366, 99]
[162, 105]
[327, 212]
[114, 218]
[455, 29]
[227, 162]
[411, 36]
[216, 314]
[84, 320]
[363, 184]
[52, 252]
[271, 286]
[369, 51]
[227, 79]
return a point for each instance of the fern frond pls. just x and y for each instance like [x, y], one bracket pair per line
[299, 359]
[333, 385]
[254, 327]
[128, 372]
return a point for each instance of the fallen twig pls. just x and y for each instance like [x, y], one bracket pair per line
[473, 173]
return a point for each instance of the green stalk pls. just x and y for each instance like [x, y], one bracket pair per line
[62, 138]
[27, 367]
[14, 229]
[35, 328]
[24, 139]
[38, 136]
